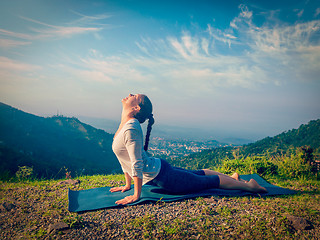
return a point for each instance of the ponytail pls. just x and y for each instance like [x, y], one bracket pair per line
[149, 127]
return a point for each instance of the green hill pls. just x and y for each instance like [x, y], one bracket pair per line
[52, 145]
[305, 135]
[282, 144]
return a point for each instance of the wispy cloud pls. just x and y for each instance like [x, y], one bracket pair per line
[193, 63]
[91, 20]
[54, 31]
[16, 34]
[299, 12]
[44, 31]
[179, 47]
[17, 74]
[8, 43]
[10, 65]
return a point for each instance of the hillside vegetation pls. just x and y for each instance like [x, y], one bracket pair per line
[51, 145]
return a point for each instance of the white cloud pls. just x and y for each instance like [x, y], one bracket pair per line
[287, 38]
[194, 63]
[86, 19]
[222, 36]
[191, 44]
[16, 35]
[299, 12]
[53, 31]
[48, 31]
[17, 79]
[8, 43]
[142, 48]
[10, 65]
[62, 32]
[205, 45]
[245, 13]
[178, 47]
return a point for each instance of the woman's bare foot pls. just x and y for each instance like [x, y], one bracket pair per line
[255, 187]
[236, 176]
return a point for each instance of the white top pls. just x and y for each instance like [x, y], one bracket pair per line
[128, 147]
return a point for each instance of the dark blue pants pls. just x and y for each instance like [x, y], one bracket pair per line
[179, 180]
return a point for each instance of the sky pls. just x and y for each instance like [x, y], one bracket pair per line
[235, 68]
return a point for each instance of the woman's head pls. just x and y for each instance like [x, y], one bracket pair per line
[139, 106]
[145, 111]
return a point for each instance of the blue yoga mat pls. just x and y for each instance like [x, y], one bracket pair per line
[100, 198]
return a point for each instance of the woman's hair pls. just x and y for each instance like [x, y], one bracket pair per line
[144, 114]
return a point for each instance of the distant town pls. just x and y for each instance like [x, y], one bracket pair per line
[159, 146]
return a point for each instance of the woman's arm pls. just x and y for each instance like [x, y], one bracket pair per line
[123, 188]
[133, 142]
[128, 180]
[137, 192]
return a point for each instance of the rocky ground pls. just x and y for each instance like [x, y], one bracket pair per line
[39, 211]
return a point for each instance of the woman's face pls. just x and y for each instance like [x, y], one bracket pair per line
[132, 100]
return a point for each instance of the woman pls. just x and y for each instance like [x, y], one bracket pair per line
[136, 165]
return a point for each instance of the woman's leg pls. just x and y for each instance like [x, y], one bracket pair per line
[209, 172]
[181, 180]
[230, 183]
[235, 176]
[235, 182]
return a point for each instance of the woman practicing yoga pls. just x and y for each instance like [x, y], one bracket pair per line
[136, 165]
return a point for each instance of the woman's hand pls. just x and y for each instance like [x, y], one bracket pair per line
[127, 199]
[122, 189]
[132, 198]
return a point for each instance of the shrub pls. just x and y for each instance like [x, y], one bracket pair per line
[294, 166]
[24, 173]
[250, 165]
[296, 163]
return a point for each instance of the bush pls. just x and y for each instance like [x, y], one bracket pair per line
[294, 166]
[24, 173]
[250, 165]
[296, 163]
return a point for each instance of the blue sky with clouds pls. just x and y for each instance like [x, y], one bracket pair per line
[249, 68]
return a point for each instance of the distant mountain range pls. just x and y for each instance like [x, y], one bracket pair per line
[53, 145]
[169, 132]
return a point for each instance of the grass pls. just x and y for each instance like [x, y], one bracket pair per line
[41, 202]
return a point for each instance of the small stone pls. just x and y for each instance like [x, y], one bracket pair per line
[69, 181]
[299, 223]
[211, 200]
[60, 226]
[7, 206]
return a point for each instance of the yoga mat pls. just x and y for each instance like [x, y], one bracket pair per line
[100, 198]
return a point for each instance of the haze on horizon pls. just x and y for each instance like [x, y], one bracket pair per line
[236, 68]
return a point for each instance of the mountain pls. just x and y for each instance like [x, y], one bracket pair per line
[53, 145]
[305, 135]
